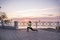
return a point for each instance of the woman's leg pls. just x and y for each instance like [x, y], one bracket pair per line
[27, 29]
[33, 29]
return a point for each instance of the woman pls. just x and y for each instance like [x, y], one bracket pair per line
[29, 26]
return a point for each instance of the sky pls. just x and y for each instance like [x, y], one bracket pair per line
[30, 8]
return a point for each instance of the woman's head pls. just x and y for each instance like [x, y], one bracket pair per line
[29, 21]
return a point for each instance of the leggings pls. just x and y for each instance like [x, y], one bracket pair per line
[30, 28]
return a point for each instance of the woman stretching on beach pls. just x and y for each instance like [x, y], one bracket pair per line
[29, 26]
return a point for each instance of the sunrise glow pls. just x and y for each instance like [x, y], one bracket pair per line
[30, 8]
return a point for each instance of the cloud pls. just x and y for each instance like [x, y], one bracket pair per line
[39, 12]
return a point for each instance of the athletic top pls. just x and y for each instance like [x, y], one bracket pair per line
[29, 24]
